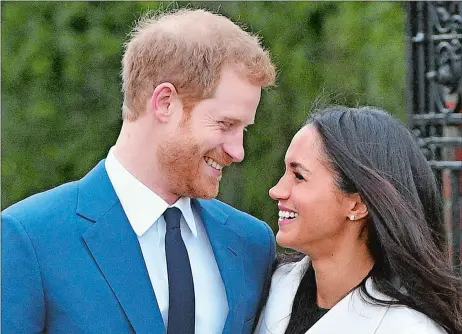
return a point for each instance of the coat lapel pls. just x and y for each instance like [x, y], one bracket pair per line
[227, 248]
[115, 249]
[353, 315]
[284, 284]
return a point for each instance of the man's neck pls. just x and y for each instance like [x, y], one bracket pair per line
[142, 165]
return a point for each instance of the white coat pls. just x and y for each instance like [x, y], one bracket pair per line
[351, 315]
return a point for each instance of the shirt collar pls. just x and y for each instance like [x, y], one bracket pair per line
[142, 206]
[184, 204]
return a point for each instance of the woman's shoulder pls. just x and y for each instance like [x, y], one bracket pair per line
[402, 319]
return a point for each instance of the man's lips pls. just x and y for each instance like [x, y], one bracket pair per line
[213, 163]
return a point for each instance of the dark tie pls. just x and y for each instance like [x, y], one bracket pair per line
[181, 310]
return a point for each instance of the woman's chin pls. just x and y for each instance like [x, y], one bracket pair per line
[284, 239]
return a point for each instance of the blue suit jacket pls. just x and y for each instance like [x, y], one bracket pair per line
[71, 263]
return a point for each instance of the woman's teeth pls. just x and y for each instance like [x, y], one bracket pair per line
[287, 215]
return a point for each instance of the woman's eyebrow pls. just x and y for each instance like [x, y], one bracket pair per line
[294, 165]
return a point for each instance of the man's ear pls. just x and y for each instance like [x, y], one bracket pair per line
[357, 208]
[163, 98]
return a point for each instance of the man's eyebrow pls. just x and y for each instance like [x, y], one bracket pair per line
[231, 119]
[234, 120]
[294, 165]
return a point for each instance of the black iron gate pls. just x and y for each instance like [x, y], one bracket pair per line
[434, 30]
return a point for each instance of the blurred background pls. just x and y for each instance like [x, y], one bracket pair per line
[61, 100]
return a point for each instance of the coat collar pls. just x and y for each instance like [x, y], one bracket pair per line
[353, 314]
[344, 317]
[96, 194]
[284, 284]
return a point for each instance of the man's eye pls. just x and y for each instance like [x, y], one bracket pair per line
[298, 176]
[224, 124]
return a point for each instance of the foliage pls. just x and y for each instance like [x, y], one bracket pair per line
[61, 95]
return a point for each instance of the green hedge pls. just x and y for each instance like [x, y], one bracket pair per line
[61, 95]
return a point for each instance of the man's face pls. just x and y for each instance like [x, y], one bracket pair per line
[193, 156]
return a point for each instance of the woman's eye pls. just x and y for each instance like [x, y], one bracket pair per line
[298, 176]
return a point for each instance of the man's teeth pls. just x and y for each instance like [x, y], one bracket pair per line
[287, 214]
[212, 163]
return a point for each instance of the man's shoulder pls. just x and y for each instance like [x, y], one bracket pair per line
[42, 205]
[245, 224]
[235, 215]
[257, 237]
[228, 209]
[55, 202]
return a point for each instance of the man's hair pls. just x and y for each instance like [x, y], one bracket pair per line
[188, 48]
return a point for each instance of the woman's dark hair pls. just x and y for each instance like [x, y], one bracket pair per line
[375, 155]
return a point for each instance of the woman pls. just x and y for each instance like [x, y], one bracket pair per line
[360, 204]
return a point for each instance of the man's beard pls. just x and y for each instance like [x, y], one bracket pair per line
[181, 161]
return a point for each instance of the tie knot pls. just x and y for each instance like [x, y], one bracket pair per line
[172, 218]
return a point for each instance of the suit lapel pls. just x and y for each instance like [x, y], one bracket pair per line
[353, 315]
[227, 248]
[115, 249]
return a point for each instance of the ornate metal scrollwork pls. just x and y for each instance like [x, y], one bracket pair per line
[447, 54]
[435, 101]
[448, 19]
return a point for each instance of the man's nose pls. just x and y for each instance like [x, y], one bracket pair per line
[235, 147]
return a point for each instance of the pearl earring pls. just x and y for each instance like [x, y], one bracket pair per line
[352, 217]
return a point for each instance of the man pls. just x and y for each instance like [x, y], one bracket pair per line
[105, 254]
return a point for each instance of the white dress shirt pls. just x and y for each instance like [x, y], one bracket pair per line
[144, 210]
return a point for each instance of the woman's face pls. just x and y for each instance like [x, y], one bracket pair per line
[313, 211]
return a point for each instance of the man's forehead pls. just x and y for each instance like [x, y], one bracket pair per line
[232, 113]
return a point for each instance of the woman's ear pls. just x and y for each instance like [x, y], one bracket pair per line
[357, 208]
[163, 98]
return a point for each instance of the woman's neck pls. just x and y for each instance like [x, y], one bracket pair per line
[340, 272]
